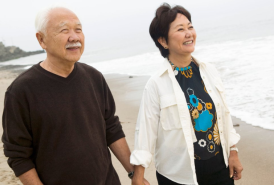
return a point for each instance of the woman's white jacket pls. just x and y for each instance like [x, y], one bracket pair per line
[164, 125]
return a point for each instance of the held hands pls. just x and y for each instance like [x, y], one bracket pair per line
[138, 177]
[140, 181]
[146, 182]
[235, 166]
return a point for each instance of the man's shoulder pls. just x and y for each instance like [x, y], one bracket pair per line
[88, 68]
[22, 80]
[90, 72]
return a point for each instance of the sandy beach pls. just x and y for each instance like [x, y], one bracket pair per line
[256, 147]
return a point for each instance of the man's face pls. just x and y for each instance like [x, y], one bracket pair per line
[64, 38]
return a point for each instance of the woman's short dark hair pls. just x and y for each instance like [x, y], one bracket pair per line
[159, 26]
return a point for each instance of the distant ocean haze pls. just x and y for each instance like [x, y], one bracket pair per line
[123, 22]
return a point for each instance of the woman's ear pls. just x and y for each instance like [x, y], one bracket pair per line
[163, 42]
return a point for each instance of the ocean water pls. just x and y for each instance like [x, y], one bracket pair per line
[247, 70]
[246, 67]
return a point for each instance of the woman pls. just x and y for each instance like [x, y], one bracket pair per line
[183, 118]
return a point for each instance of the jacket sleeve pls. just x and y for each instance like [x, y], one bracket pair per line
[114, 130]
[234, 137]
[17, 138]
[146, 127]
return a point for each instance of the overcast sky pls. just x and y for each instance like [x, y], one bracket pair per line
[107, 21]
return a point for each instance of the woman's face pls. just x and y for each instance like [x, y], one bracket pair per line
[181, 36]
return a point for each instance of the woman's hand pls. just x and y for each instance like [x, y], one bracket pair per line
[146, 182]
[235, 166]
[137, 181]
[140, 182]
[138, 177]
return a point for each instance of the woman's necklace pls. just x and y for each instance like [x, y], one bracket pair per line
[186, 71]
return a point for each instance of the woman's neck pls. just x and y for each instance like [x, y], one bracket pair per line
[180, 60]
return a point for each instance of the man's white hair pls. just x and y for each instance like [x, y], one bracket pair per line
[42, 17]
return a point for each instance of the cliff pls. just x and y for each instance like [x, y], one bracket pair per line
[13, 52]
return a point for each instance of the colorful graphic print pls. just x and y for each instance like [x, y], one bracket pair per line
[216, 134]
[204, 122]
[204, 87]
[202, 143]
[211, 147]
[203, 119]
[203, 115]
[195, 114]
[195, 102]
[209, 136]
[211, 144]
[197, 157]
[208, 106]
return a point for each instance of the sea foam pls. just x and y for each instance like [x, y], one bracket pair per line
[246, 67]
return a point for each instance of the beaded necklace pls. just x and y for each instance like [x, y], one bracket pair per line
[186, 71]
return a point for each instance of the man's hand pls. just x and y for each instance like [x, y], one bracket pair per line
[235, 166]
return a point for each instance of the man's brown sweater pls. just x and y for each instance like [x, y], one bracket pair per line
[61, 126]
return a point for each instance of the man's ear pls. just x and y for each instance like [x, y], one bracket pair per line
[41, 39]
[163, 42]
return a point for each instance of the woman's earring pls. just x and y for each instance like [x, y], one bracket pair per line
[165, 47]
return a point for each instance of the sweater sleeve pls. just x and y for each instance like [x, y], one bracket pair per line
[16, 136]
[114, 130]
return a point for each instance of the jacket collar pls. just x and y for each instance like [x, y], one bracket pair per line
[166, 66]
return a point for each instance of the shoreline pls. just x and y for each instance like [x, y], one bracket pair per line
[255, 147]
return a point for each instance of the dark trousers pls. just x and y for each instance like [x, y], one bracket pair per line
[209, 172]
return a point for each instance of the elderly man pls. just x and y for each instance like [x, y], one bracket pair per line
[58, 116]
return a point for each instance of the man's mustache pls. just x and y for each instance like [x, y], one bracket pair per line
[72, 45]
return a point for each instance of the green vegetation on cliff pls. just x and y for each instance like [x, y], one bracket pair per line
[13, 52]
